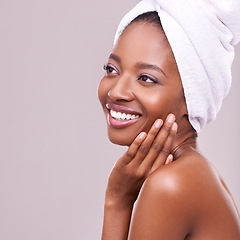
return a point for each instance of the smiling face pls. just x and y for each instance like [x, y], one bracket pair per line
[141, 83]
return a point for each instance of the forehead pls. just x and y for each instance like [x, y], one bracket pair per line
[143, 40]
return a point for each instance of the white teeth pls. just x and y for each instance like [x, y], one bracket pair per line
[119, 115]
[128, 116]
[122, 116]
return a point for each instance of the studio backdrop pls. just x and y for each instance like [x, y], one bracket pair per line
[54, 153]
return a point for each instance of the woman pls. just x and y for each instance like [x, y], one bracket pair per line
[150, 107]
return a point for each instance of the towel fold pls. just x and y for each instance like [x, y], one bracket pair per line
[202, 35]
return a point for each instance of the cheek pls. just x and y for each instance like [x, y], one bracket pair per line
[157, 105]
[102, 91]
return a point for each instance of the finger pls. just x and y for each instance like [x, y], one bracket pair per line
[169, 159]
[132, 150]
[161, 142]
[143, 150]
[164, 156]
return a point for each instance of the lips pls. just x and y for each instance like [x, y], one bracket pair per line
[121, 116]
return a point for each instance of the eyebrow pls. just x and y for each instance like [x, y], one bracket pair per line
[115, 57]
[143, 65]
[140, 65]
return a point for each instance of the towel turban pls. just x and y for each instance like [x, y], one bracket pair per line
[202, 35]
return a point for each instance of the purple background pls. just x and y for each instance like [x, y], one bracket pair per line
[54, 153]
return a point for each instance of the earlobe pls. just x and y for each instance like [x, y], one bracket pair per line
[185, 111]
[181, 111]
[182, 106]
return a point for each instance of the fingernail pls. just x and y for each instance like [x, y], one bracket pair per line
[171, 118]
[170, 158]
[174, 126]
[142, 135]
[158, 123]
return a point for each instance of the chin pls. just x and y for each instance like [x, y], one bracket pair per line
[119, 139]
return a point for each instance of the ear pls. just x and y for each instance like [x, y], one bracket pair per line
[184, 108]
[184, 114]
[181, 111]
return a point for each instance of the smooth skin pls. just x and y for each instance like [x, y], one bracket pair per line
[141, 159]
[146, 197]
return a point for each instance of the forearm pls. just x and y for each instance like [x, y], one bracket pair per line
[143, 156]
[116, 222]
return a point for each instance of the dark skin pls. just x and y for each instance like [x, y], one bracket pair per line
[185, 199]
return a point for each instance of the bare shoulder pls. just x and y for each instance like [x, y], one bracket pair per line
[187, 176]
[184, 185]
[192, 180]
[166, 204]
[183, 199]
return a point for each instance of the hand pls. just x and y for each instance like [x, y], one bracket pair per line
[146, 153]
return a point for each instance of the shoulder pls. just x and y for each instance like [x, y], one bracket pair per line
[187, 175]
[184, 177]
[168, 203]
[186, 188]
[178, 198]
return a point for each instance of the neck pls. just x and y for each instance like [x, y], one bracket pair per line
[185, 140]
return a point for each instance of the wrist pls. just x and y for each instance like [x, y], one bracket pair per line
[118, 203]
[117, 219]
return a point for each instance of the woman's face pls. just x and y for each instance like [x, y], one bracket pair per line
[141, 83]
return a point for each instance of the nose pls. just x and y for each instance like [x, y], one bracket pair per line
[121, 90]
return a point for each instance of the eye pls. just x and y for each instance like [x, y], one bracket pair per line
[147, 79]
[109, 69]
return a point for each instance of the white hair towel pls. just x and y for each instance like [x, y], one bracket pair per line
[202, 35]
